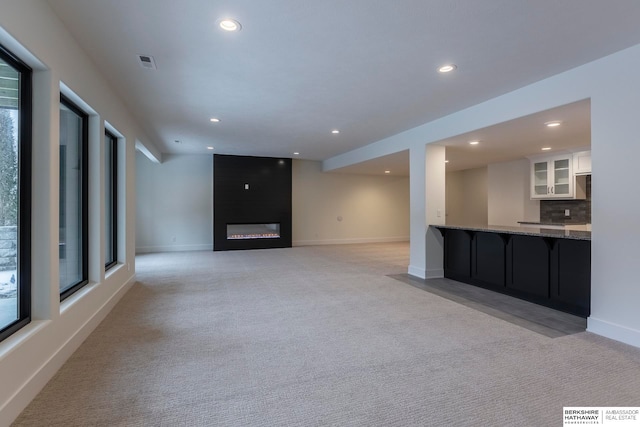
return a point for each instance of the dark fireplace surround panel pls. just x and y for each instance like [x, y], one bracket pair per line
[252, 195]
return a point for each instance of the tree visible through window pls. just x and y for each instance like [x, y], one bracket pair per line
[8, 218]
[8, 171]
[15, 184]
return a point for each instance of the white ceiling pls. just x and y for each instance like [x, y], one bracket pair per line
[299, 69]
[397, 164]
[515, 139]
[522, 137]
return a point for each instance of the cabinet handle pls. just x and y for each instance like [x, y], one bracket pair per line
[548, 190]
[552, 190]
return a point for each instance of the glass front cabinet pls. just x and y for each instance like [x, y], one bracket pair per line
[552, 177]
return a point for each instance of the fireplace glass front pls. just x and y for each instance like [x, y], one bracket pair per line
[253, 231]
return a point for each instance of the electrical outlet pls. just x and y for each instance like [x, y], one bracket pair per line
[567, 212]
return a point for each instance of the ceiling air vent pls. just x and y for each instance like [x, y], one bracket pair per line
[147, 61]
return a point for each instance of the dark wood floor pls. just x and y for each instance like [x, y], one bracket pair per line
[546, 321]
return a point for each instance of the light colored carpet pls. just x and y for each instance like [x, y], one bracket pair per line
[319, 336]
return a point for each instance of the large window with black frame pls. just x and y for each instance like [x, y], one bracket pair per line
[73, 227]
[15, 193]
[111, 201]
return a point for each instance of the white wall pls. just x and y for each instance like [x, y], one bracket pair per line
[435, 201]
[372, 208]
[418, 210]
[31, 356]
[175, 200]
[454, 188]
[613, 85]
[510, 195]
[466, 197]
[175, 203]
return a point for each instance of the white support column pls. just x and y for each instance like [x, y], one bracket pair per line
[417, 192]
[435, 209]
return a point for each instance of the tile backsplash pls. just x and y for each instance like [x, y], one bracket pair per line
[553, 210]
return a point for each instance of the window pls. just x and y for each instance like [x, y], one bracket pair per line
[110, 202]
[74, 242]
[15, 193]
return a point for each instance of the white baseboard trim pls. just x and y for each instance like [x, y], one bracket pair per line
[36, 382]
[437, 273]
[417, 272]
[173, 248]
[613, 331]
[350, 241]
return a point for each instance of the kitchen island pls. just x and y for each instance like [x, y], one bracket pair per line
[546, 266]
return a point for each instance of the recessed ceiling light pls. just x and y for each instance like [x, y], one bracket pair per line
[387, 171]
[335, 131]
[546, 148]
[474, 142]
[228, 24]
[296, 153]
[447, 68]
[553, 124]
[215, 119]
[209, 148]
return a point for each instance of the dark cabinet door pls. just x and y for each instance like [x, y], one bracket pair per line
[488, 262]
[528, 262]
[457, 257]
[571, 275]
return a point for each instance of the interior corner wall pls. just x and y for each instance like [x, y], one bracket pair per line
[334, 208]
[466, 196]
[174, 205]
[509, 194]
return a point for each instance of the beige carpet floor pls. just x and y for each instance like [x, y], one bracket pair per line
[319, 336]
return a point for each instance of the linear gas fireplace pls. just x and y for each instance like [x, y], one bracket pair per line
[253, 231]
[251, 203]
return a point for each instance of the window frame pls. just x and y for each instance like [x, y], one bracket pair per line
[25, 115]
[84, 194]
[112, 259]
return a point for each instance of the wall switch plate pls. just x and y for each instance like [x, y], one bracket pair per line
[567, 212]
[439, 213]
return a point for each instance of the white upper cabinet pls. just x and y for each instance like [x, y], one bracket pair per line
[540, 179]
[552, 177]
[582, 163]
